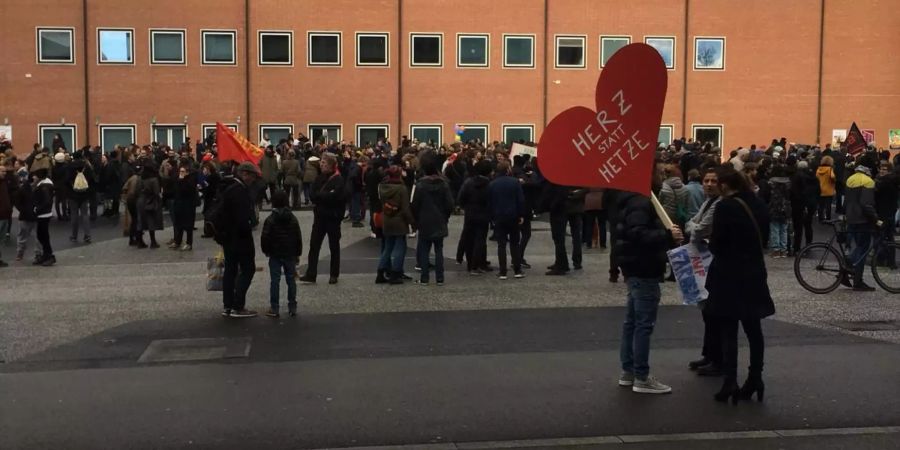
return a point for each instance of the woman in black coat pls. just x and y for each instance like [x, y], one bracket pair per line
[184, 208]
[737, 280]
[150, 205]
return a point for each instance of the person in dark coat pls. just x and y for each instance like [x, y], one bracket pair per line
[473, 199]
[111, 178]
[282, 242]
[887, 193]
[398, 218]
[737, 281]
[59, 174]
[804, 203]
[329, 198]
[432, 206]
[184, 209]
[23, 200]
[238, 248]
[80, 196]
[43, 209]
[506, 202]
[209, 187]
[566, 206]
[149, 206]
[373, 177]
[532, 184]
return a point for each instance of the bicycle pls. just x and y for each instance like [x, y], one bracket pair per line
[820, 268]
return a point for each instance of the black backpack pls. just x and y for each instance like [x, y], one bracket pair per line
[215, 222]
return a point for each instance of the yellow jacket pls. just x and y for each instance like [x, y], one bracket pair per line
[825, 174]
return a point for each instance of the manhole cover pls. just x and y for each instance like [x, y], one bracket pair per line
[202, 349]
[868, 325]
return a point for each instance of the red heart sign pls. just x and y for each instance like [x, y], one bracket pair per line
[613, 146]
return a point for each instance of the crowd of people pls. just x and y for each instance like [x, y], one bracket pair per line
[759, 200]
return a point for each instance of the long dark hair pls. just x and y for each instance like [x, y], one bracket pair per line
[735, 180]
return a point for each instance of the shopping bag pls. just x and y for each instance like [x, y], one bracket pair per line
[690, 264]
[215, 270]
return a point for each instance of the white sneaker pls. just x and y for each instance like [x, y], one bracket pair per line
[650, 385]
[373, 235]
[626, 379]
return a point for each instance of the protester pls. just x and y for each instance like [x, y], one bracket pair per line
[779, 200]
[506, 203]
[7, 191]
[804, 199]
[328, 195]
[566, 207]
[611, 201]
[887, 196]
[112, 180]
[59, 174]
[642, 242]
[473, 199]
[269, 167]
[24, 203]
[594, 215]
[43, 209]
[432, 206]
[674, 196]
[827, 179]
[81, 179]
[398, 218]
[532, 184]
[149, 206]
[184, 209]
[237, 241]
[208, 183]
[862, 220]
[130, 193]
[290, 167]
[737, 280]
[282, 242]
[310, 174]
[696, 194]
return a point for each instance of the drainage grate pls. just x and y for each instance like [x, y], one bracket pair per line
[202, 349]
[868, 325]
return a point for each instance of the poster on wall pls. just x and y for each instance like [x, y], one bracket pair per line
[837, 137]
[5, 133]
[894, 139]
[869, 136]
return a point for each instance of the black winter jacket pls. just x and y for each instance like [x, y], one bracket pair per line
[432, 205]
[24, 201]
[239, 209]
[641, 239]
[329, 195]
[281, 235]
[473, 198]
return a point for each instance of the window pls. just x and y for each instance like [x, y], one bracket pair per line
[56, 45]
[518, 51]
[219, 47]
[427, 133]
[570, 52]
[68, 133]
[324, 49]
[276, 132]
[426, 50]
[325, 133]
[171, 135]
[665, 135]
[276, 48]
[115, 46]
[370, 134]
[473, 132]
[708, 133]
[666, 48]
[609, 45]
[112, 135]
[472, 50]
[372, 49]
[709, 53]
[517, 133]
[167, 47]
[211, 128]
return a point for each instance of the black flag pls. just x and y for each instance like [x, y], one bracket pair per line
[855, 142]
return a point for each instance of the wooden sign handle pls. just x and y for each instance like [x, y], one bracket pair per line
[661, 212]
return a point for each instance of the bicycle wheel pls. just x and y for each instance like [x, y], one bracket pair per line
[886, 267]
[818, 268]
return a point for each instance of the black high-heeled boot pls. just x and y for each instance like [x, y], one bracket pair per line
[754, 384]
[730, 389]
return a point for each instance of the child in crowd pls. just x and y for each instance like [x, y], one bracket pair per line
[282, 242]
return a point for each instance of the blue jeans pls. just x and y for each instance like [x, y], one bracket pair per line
[393, 250]
[423, 249]
[356, 212]
[289, 267]
[778, 240]
[861, 239]
[640, 317]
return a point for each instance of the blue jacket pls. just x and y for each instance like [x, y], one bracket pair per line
[506, 200]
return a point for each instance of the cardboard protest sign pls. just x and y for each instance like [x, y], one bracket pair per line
[894, 139]
[613, 145]
[5, 133]
[521, 149]
[869, 136]
[690, 265]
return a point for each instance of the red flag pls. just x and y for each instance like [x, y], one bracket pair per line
[234, 147]
[855, 142]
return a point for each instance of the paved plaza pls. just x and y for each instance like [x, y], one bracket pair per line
[130, 342]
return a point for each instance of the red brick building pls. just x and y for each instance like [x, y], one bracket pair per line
[103, 72]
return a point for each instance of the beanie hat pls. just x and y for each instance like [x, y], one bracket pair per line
[863, 169]
[60, 157]
[248, 167]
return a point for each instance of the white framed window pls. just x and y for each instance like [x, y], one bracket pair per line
[173, 135]
[666, 135]
[68, 134]
[276, 131]
[518, 51]
[55, 45]
[665, 45]
[324, 48]
[426, 49]
[473, 50]
[704, 133]
[167, 46]
[115, 45]
[427, 133]
[709, 53]
[609, 45]
[370, 134]
[116, 134]
[476, 131]
[276, 48]
[372, 49]
[327, 132]
[207, 128]
[218, 47]
[517, 133]
[571, 52]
